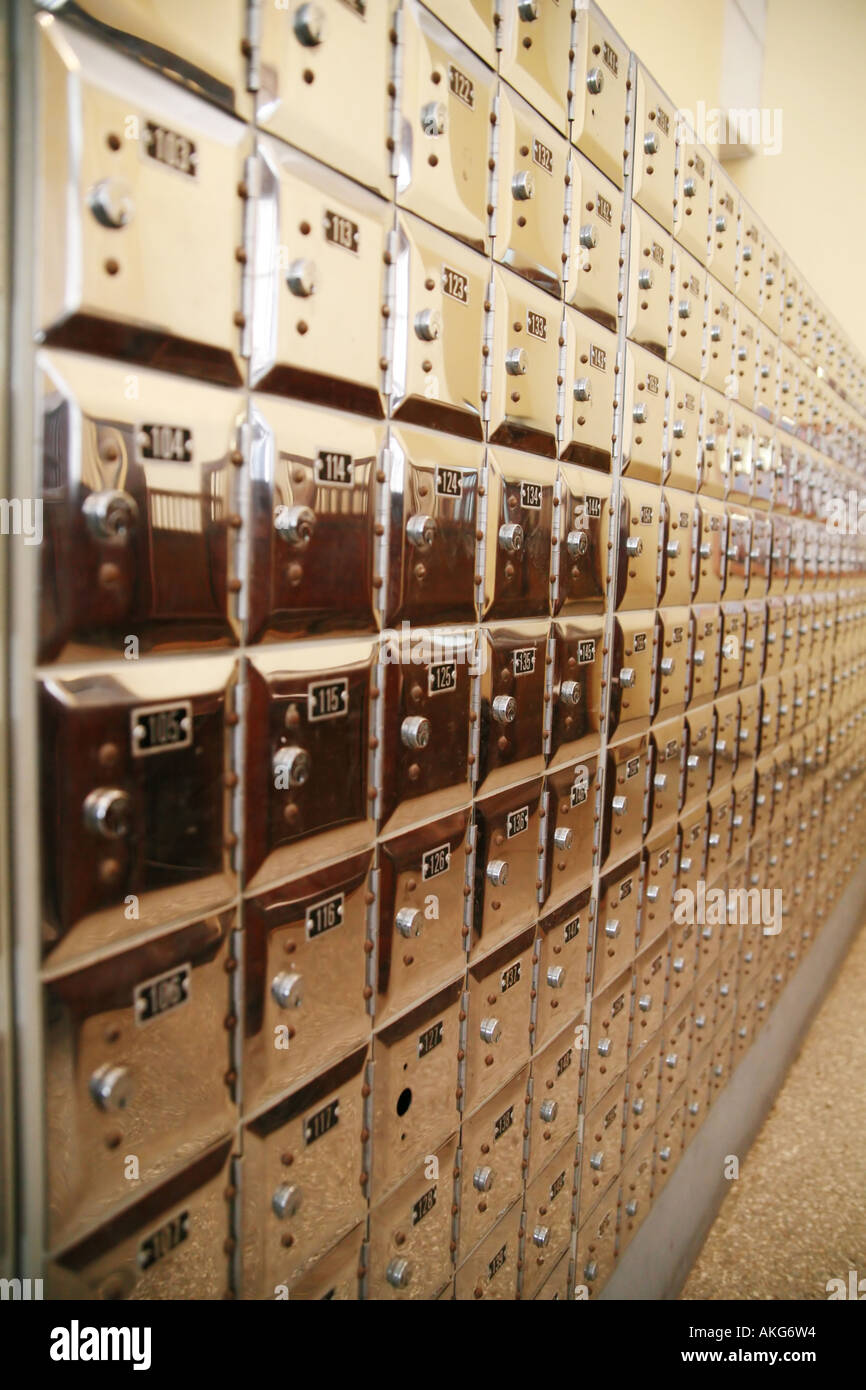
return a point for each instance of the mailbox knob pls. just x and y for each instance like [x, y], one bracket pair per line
[287, 989]
[111, 515]
[634, 546]
[587, 237]
[491, 1030]
[286, 1201]
[710, 443]
[638, 1105]
[686, 864]
[309, 25]
[497, 872]
[504, 709]
[548, 1110]
[672, 549]
[569, 692]
[111, 1087]
[769, 279]
[415, 731]
[541, 1236]
[604, 1047]
[667, 665]
[428, 325]
[516, 361]
[692, 761]
[292, 767]
[716, 333]
[645, 1003]
[583, 389]
[111, 203]
[747, 253]
[611, 928]
[577, 544]
[721, 223]
[652, 893]
[665, 1153]
[651, 142]
[671, 1060]
[523, 185]
[690, 188]
[742, 354]
[645, 278]
[556, 976]
[594, 81]
[301, 278]
[295, 525]
[700, 1021]
[684, 309]
[699, 657]
[590, 1271]
[421, 531]
[660, 781]
[408, 921]
[627, 677]
[511, 537]
[596, 1161]
[482, 1179]
[434, 118]
[108, 812]
[528, 9]
[631, 1207]
[619, 805]
[398, 1272]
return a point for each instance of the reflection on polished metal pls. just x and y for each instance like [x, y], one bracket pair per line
[434, 461]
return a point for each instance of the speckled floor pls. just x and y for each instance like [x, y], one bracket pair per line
[796, 1216]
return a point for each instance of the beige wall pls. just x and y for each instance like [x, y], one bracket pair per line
[813, 194]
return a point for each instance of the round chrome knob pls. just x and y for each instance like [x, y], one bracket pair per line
[631, 1207]
[612, 928]
[651, 142]
[667, 665]
[556, 976]
[660, 781]
[408, 921]
[286, 1201]
[287, 989]
[398, 1273]
[434, 118]
[716, 333]
[523, 185]
[541, 1236]
[111, 203]
[594, 81]
[421, 531]
[482, 1179]
[309, 25]
[604, 1047]
[645, 1003]
[111, 515]
[490, 1030]
[672, 549]
[569, 693]
[634, 546]
[295, 525]
[665, 1153]
[645, 278]
[292, 767]
[619, 805]
[111, 1087]
[108, 812]
[638, 1105]
[504, 709]
[415, 731]
[684, 309]
[587, 237]
[428, 325]
[583, 389]
[497, 872]
[516, 361]
[301, 278]
[548, 1110]
[596, 1161]
[721, 223]
[690, 188]
[511, 537]
[590, 1271]
[577, 544]
[627, 677]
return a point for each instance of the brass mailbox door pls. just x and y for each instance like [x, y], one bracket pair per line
[608, 1038]
[649, 283]
[591, 368]
[498, 1011]
[643, 421]
[666, 757]
[305, 972]
[556, 1071]
[601, 1147]
[140, 835]
[492, 1165]
[304, 1182]
[683, 430]
[517, 566]
[140, 499]
[415, 1101]
[524, 348]
[578, 673]
[655, 150]
[632, 672]
[583, 566]
[616, 921]
[600, 75]
[592, 278]
[531, 194]
[511, 735]
[491, 1271]
[561, 960]
[308, 718]
[679, 537]
[549, 1200]
[508, 844]
[637, 1178]
[569, 831]
[692, 222]
[411, 1232]
[535, 43]
[335, 1276]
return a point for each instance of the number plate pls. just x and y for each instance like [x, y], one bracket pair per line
[523, 661]
[333, 468]
[455, 285]
[172, 443]
[328, 700]
[442, 677]
[449, 482]
[168, 147]
[517, 822]
[323, 1120]
[169, 1236]
[530, 496]
[342, 231]
[162, 994]
[461, 86]
[321, 917]
[160, 728]
[436, 861]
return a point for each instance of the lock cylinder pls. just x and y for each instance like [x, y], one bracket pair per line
[523, 185]
[563, 838]
[511, 537]
[434, 118]
[111, 1087]
[482, 1179]
[497, 872]
[490, 1030]
[309, 25]
[548, 1110]
[415, 731]
[111, 515]
[287, 989]
[292, 768]
[428, 325]
[569, 693]
[421, 531]
[286, 1201]
[108, 812]
[541, 1236]
[295, 525]
[503, 708]
[301, 278]
[556, 976]
[399, 1273]
[408, 921]
[111, 203]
